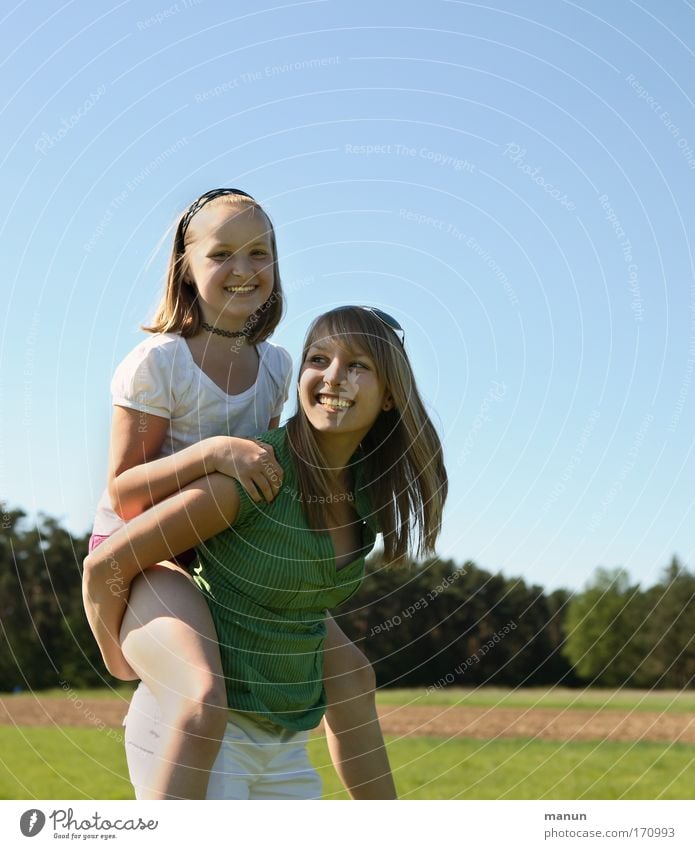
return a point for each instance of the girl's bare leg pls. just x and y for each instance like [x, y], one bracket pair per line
[169, 639]
[352, 725]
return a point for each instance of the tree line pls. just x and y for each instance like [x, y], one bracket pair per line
[433, 624]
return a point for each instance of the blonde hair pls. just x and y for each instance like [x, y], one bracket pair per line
[404, 474]
[179, 311]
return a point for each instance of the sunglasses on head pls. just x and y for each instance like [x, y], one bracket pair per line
[389, 321]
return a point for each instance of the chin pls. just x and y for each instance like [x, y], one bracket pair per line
[320, 425]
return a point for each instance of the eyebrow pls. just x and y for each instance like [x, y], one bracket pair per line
[262, 240]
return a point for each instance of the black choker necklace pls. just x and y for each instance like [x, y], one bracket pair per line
[230, 334]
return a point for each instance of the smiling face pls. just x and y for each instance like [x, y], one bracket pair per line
[340, 391]
[230, 263]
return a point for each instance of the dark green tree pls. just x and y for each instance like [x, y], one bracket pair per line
[436, 621]
[45, 634]
[667, 636]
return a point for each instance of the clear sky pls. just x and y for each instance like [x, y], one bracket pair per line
[514, 181]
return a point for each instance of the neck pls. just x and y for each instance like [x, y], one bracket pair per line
[337, 450]
[213, 342]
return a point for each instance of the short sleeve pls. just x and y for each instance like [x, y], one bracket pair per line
[248, 509]
[285, 378]
[143, 381]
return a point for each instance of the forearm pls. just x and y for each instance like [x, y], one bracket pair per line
[199, 511]
[139, 487]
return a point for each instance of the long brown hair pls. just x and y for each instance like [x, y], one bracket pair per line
[401, 457]
[179, 312]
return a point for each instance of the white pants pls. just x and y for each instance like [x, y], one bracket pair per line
[255, 761]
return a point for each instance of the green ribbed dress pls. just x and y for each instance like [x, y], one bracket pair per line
[269, 580]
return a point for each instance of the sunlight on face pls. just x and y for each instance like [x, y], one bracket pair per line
[339, 388]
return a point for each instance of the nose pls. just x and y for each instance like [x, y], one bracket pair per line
[238, 266]
[335, 373]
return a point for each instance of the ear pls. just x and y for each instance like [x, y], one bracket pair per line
[388, 403]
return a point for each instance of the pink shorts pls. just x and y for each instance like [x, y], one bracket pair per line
[94, 541]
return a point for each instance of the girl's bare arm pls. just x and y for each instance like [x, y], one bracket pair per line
[137, 481]
[196, 513]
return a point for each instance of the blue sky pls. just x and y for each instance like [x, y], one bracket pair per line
[513, 181]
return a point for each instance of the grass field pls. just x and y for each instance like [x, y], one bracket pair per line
[672, 701]
[433, 768]
[77, 763]
[61, 763]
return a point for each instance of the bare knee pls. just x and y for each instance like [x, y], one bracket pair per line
[199, 712]
[204, 722]
[169, 639]
[191, 696]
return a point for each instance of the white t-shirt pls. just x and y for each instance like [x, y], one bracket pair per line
[160, 377]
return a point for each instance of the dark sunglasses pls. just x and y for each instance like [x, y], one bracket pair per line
[197, 205]
[389, 321]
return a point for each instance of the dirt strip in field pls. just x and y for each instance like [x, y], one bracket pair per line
[540, 723]
[472, 722]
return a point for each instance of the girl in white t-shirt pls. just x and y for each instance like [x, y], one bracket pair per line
[183, 401]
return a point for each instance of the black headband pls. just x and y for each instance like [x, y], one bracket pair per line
[198, 204]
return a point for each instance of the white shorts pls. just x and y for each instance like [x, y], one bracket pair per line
[255, 761]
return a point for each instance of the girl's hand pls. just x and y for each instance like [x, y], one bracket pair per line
[252, 463]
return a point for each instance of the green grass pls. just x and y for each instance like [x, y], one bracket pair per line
[62, 763]
[82, 763]
[435, 768]
[672, 701]
[122, 691]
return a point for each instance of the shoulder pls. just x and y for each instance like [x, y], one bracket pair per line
[277, 437]
[249, 511]
[148, 371]
[278, 440]
[157, 348]
[163, 345]
[276, 358]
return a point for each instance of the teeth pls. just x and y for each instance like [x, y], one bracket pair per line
[334, 402]
[242, 289]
